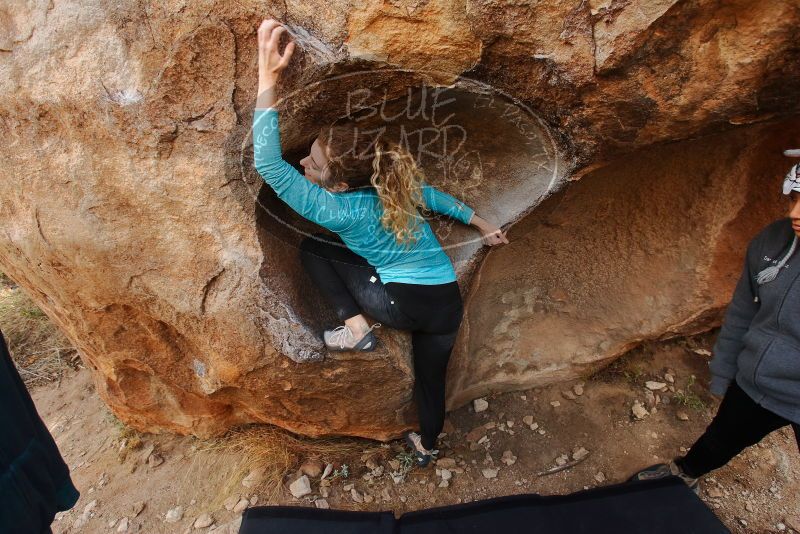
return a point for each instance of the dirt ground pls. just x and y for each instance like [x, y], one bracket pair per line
[129, 482]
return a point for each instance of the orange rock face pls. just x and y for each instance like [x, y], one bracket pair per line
[635, 147]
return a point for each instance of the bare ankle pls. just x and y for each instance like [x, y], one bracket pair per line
[358, 325]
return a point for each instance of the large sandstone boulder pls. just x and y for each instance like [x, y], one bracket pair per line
[131, 213]
[647, 248]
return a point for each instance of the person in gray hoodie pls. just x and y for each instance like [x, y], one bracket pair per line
[756, 358]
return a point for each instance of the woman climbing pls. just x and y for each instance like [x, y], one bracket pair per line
[386, 261]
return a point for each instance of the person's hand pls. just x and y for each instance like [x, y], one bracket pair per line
[490, 234]
[270, 62]
[718, 386]
[494, 237]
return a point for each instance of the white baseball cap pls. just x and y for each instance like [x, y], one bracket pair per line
[792, 181]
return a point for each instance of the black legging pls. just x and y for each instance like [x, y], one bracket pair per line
[739, 423]
[432, 313]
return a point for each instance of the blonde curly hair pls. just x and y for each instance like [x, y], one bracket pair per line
[361, 160]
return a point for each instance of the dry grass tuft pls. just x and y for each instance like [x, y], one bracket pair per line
[278, 452]
[41, 352]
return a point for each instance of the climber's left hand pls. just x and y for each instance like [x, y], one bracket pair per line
[270, 61]
[491, 234]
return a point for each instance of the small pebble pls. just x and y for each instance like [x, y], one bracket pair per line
[230, 502]
[204, 521]
[328, 470]
[174, 515]
[300, 487]
[639, 411]
[253, 478]
[580, 453]
[508, 458]
[480, 405]
[241, 506]
[138, 506]
[312, 468]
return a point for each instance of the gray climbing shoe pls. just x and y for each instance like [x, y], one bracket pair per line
[422, 456]
[666, 470]
[342, 339]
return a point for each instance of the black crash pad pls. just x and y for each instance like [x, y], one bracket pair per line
[651, 507]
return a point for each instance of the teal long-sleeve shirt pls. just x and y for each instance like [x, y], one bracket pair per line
[355, 215]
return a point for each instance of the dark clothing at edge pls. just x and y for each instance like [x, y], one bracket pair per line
[34, 480]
